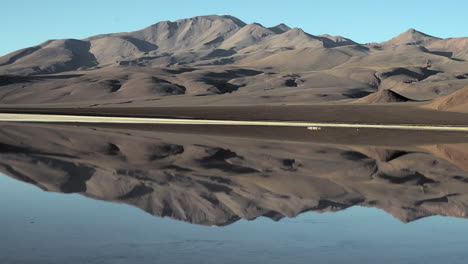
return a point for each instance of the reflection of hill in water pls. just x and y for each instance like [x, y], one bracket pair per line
[214, 180]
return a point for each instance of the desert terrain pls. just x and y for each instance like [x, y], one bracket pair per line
[324, 132]
[222, 61]
[220, 68]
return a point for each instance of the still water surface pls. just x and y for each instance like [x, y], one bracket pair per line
[81, 195]
[40, 227]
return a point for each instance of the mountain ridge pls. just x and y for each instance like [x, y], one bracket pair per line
[293, 66]
[198, 33]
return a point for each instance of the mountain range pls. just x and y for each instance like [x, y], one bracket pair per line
[220, 60]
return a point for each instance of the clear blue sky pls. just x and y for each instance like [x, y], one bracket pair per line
[30, 22]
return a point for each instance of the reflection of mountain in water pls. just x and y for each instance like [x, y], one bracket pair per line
[214, 180]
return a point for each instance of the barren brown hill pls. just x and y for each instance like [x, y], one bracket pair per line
[453, 47]
[220, 60]
[456, 102]
[384, 96]
[412, 37]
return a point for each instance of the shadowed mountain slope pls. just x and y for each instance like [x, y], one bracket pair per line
[456, 102]
[177, 62]
[384, 96]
